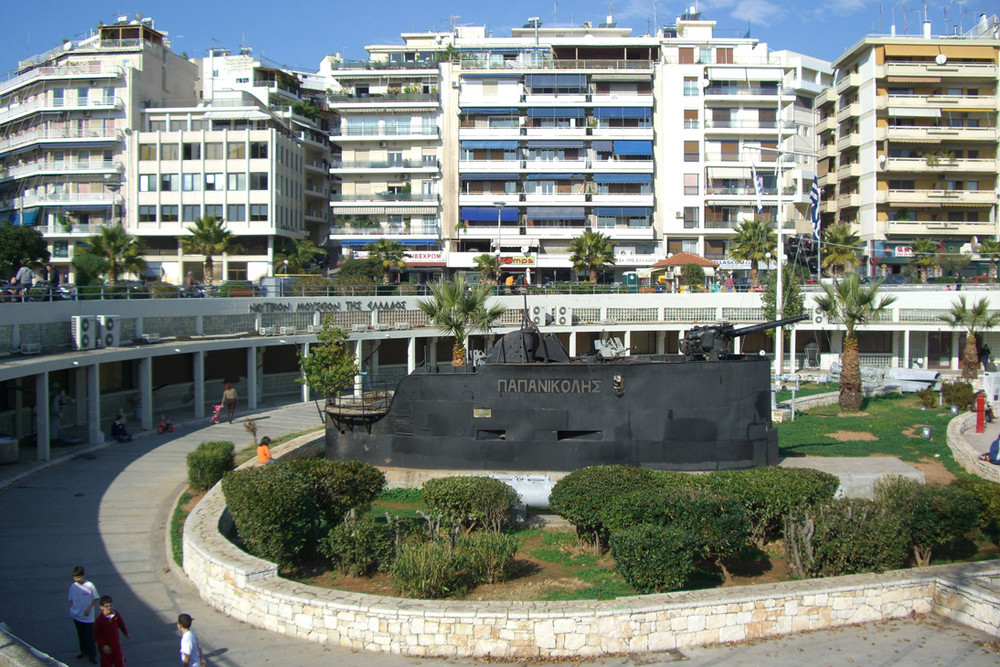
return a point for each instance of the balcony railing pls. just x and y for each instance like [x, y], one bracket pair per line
[384, 131]
[383, 98]
[432, 231]
[385, 196]
[385, 164]
[89, 70]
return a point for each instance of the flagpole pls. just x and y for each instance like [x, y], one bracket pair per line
[779, 334]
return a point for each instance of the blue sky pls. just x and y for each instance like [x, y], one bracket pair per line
[300, 33]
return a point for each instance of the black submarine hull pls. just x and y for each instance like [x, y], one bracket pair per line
[652, 412]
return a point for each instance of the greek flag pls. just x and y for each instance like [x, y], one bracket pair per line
[758, 185]
[814, 198]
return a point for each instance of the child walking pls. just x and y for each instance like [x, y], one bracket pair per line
[106, 628]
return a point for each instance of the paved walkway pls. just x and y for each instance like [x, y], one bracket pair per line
[107, 508]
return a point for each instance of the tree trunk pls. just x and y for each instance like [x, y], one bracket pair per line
[970, 359]
[209, 275]
[850, 376]
[754, 273]
[593, 275]
[458, 355]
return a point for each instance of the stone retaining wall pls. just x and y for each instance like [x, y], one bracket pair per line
[250, 590]
[964, 454]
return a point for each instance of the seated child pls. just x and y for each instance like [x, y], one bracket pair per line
[264, 450]
[992, 456]
[118, 432]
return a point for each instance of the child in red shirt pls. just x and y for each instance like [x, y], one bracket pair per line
[106, 627]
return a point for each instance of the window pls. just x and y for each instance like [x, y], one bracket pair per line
[178, 124]
[147, 182]
[191, 151]
[705, 55]
[691, 86]
[157, 126]
[168, 151]
[690, 119]
[691, 151]
[691, 216]
[147, 152]
[258, 180]
[191, 182]
[724, 56]
[214, 182]
[169, 182]
[685, 56]
[147, 214]
[214, 210]
[213, 150]
[236, 212]
[190, 212]
[258, 149]
[236, 151]
[690, 184]
[60, 249]
[237, 182]
[168, 213]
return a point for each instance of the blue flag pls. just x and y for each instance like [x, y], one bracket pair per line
[758, 185]
[814, 198]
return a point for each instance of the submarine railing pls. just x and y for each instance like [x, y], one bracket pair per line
[371, 402]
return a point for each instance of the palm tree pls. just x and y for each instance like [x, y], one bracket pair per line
[118, 251]
[840, 249]
[855, 305]
[299, 253]
[593, 252]
[209, 236]
[488, 266]
[924, 251]
[459, 309]
[387, 254]
[754, 241]
[975, 319]
[990, 249]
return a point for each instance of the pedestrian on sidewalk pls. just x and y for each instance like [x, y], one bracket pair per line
[229, 398]
[106, 628]
[191, 655]
[83, 599]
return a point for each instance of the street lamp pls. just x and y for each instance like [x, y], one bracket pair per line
[499, 205]
[113, 183]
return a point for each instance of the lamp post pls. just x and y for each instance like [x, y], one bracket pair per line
[114, 184]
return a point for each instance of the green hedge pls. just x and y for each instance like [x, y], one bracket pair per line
[489, 556]
[653, 559]
[360, 546]
[988, 494]
[958, 393]
[208, 463]
[470, 502]
[429, 570]
[339, 486]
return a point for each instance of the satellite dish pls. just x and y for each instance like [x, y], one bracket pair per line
[940, 59]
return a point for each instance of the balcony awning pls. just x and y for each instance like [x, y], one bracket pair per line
[623, 178]
[623, 112]
[364, 208]
[554, 177]
[560, 81]
[556, 213]
[492, 75]
[914, 79]
[489, 177]
[364, 242]
[555, 144]
[24, 218]
[603, 145]
[920, 112]
[621, 211]
[492, 111]
[633, 148]
[488, 214]
[555, 112]
[506, 145]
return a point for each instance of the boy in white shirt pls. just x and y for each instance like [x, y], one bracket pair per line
[83, 599]
[191, 655]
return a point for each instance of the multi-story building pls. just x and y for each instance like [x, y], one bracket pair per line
[65, 117]
[909, 142]
[526, 141]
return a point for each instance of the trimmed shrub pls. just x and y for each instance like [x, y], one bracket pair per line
[933, 516]
[849, 536]
[769, 493]
[958, 393]
[339, 486]
[580, 496]
[469, 502]
[429, 570]
[928, 397]
[653, 559]
[489, 556]
[988, 494]
[359, 546]
[208, 463]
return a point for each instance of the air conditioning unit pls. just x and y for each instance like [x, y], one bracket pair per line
[538, 315]
[402, 325]
[31, 348]
[313, 328]
[83, 328]
[109, 329]
[562, 316]
[266, 331]
[360, 327]
[381, 326]
[286, 331]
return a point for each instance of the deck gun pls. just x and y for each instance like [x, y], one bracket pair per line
[714, 341]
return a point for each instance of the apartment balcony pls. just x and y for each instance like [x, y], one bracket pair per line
[852, 200]
[743, 127]
[909, 229]
[489, 133]
[384, 166]
[627, 233]
[827, 179]
[18, 111]
[365, 134]
[827, 150]
[852, 170]
[623, 199]
[384, 101]
[84, 199]
[852, 140]
[600, 132]
[314, 139]
[474, 64]
[736, 195]
[556, 133]
[722, 93]
[935, 134]
[555, 166]
[490, 166]
[385, 198]
[852, 80]
[62, 72]
[316, 216]
[850, 111]
[271, 87]
[951, 102]
[621, 100]
[828, 206]
[316, 190]
[552, 100]
[932, 69]
[317, 166]
[826, 125]
[615, 166]
[952, 198]
[72, 138]
[61, 169]
[941, 164]
[379, 230]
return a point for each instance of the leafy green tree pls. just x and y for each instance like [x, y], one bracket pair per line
[209, 236]
[301, 254]
[488, 266]
[357, 272]
[20, 245]
[388, 255]
[330, 366]
[592, 252]
[855, 305]
[924, 251]
[973, 320]
[990, 249]
[753, 241]
[840, 249]
[692, 274]
[459, 309]
[792, 301]
[953, 262]
[118, 251]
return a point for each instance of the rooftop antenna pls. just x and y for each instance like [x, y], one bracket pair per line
[906, 23]
[945, 10]
[555, 13]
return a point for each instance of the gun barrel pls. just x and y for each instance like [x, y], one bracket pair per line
[764, 326]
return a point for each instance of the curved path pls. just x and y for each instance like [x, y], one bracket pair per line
[107, 507]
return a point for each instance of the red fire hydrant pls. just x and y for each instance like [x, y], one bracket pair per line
[980, 412]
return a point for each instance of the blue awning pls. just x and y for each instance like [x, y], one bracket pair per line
[492, 111]
[561, 81]
[603, 145]
[623, 112]
[623, 178]
[27, 220]
[555, 112]
[489, 213]
[554, 177]
[556, 213]
[633, 148]
[618, 211]
[506, 145]
[489, 177]
[555, 144]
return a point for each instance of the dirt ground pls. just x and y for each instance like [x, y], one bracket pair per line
[851, 436]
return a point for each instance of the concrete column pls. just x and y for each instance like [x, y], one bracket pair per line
[359, 350]
[791, 348]
[572, 344]
[906, 349]
[432, 352]
[956, 353]
[738, 345]
[146, 393]
[252, 378]
[373, 373]
[306, 391]
[138, 327]
[199, 325]
[628, 342]
[661, 342]
[94, 434]
[198, 366]
[411, 355]
[44, 443]
[894, 349]
[79, 380]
